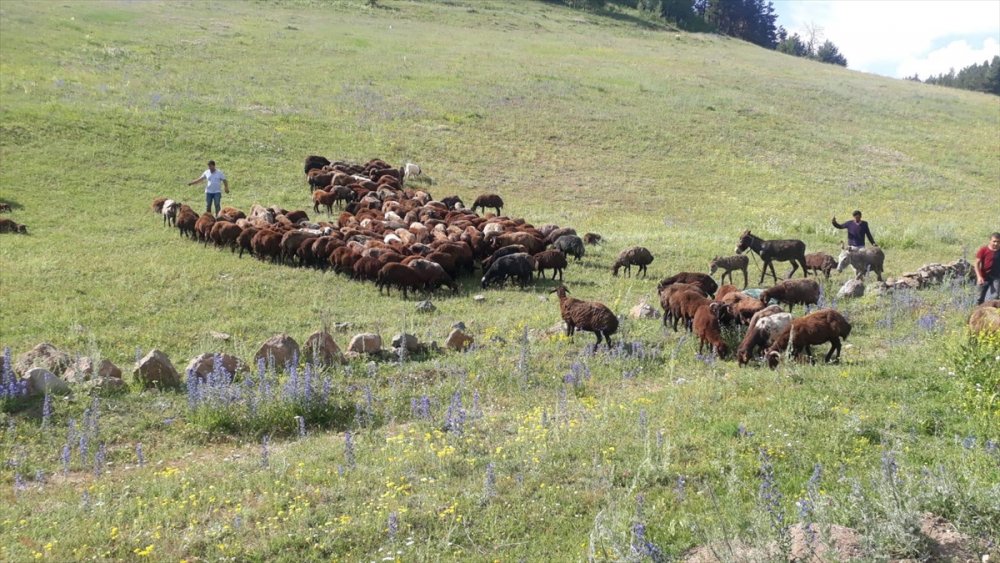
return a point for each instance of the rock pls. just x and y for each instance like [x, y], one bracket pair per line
[479, 298]
[459, 325]
[458, 340]
[201, 366]
[320, 349]
[851, 288]
[644, 311]
[104, 384]
[281, 347]
[45, 356]
[407, 341]
[426, 307]
[42, 381]
[219, 335]
[155, 370]
[365, 343]
[83, 370]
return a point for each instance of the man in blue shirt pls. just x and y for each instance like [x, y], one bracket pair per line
[215, 180]
[857, 230]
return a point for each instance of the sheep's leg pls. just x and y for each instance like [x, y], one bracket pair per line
[834, 347]
[643, 270]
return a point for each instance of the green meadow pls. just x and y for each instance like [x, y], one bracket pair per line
[526, 447]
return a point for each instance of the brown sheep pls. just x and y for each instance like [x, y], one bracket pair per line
[367, 268]
[342, 260]
[554, 234]
[592, 239]
[740, 306]
[488, 200]
[706, 326]
[635, 256]
[7, 208]
[819, 327]
[296, 216]
[529, 241]
[985, 318]
[203, 226]
[243, 241]
[157, 206]
[793, 291]
[266, 244]
[290, 243]
[324, 198]
[432, 274]
[703, 281]
[403, 277]
[725, 290]
[185, 221]
[224, 233]
[8, 226]
[586, 315]
[553, 260]
[820, 262]
[683, 306]
[666, 292]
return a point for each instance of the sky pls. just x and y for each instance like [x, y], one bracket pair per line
[900, 38]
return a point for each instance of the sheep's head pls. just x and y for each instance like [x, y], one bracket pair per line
[773, 358]
[713, 265]
[560, 291]
[615, 267]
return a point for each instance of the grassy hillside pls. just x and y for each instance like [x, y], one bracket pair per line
[606, 123]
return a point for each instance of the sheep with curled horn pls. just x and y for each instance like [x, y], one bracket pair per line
[590, 316]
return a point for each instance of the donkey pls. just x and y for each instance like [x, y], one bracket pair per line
[793, 251]
[728, 264]
[862, 260]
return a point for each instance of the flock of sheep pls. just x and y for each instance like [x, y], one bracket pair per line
[400, 237]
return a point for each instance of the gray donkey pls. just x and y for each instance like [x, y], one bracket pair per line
[862, 260]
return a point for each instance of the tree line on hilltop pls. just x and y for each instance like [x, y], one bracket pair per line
[979, 78]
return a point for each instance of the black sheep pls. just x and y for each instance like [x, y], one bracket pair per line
[518, 266]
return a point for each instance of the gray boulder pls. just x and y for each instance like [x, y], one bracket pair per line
[155, 370]
[852, 288]
[425, 307]
[281, 347]
[407, 342]
[45, 356]
[42, 381]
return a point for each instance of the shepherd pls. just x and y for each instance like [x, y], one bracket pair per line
[857, 230]
[215, 180]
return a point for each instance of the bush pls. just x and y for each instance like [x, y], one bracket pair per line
[976, 364]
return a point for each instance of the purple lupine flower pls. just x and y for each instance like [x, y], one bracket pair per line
[19, 484]
[928, 322]
[327, 385]
[138, 454]
[46, 410]
[193, 390]
[680, 487]
[642, 546]
[490, 481]
[889, 466]
[99, 458]
[643, 422]
[742, 432]
[455, 417]
[39, 476]
[425, 407]
[265, 453]
[770, 495]
[307, 390]
[349, 449]
[67, 451]
[477, 412]
[301, 422]
[84, 446]
[393, 525]
[969, 442]
[991, 447]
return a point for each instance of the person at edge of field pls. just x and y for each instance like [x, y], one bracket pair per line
[215, 180]
[857, 230]
[987, 268]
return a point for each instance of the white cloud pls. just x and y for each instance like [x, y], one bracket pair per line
[956, 55]
[889, 36]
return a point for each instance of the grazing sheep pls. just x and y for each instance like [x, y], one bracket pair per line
[501, 252]
[314, 162]
[185, 221]
[518, 266]
[703, 281]
[326, 199]
[367, 268]
[592, 239]
[862, 260]
[8, 226]
[819, 327]
[554, 234]
[266, 244]
[157, 206]
[590, 316]
[820, 262]
[724, 291]
[635, 256]
[553, 260]
[203, 226]
[488, 200]
[169, 211]
[6, 207]
[985, 318]
[528, 240]
[411, 170]
[403, 277]
[764, 327]
[244, 240]
[224, 233]
[683, 306]
[706, 326]
[433, 274]
[296, 216]
[740, 306]
[666, 292]
[571, 245]
[729, 263]
[453, 202]
[794, 291]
